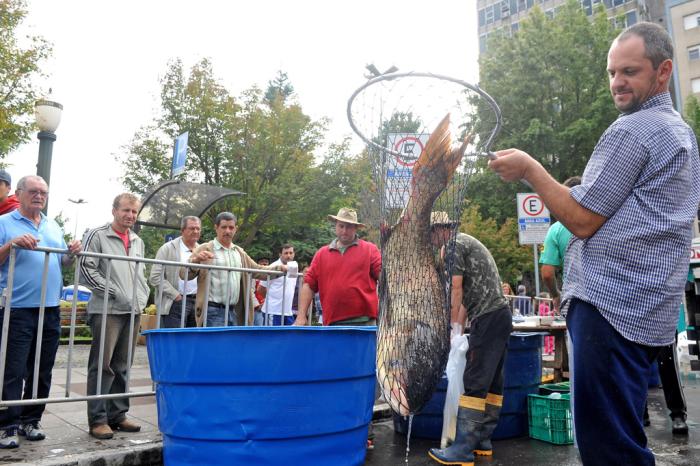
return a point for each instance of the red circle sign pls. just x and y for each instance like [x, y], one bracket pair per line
[407, 143]
[533, 205]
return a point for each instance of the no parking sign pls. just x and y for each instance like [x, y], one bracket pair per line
[398, 168]
[533, 219]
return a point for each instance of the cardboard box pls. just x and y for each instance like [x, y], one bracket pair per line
[148, 322]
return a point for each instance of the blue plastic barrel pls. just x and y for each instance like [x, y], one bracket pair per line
[427, 423]
[264, 395]
[523, 375]
[523, 372]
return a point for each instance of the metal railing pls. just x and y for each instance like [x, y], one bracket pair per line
[140, 262]
[527, 306]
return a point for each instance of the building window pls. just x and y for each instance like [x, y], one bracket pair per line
[505, 9]
[695, 85]
[514, 28]
[691, 21]
[549, 13]
[586, 4]
[618, 2]
[522, 5]
[482, 17]
[482, 43]
[489, 14]
[694, 53]
[631, 18]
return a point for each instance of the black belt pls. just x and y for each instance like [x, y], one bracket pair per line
[213, 304]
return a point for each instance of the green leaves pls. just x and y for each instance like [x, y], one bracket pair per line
[550, 82]
[19, 66]
[262, 144]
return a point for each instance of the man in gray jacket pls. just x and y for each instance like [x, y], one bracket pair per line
[169, 301]
[127, 294]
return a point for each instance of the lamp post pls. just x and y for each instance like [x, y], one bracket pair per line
[48, 116]
[78, 203]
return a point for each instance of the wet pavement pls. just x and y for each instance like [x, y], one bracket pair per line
[68, 441]
[669, 449]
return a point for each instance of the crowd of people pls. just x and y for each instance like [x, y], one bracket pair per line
[346, 271]
[642, 185]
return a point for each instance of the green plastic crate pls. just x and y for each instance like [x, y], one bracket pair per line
[560, 387]
[550, 419]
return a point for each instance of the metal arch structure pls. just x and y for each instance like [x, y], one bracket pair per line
[168, 202]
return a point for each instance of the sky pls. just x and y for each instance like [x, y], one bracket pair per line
[108, 58]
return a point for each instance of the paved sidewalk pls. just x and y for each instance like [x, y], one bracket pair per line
[68, 441]
[67, 438]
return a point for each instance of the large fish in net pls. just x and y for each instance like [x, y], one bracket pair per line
[413, 329]
[409, 122]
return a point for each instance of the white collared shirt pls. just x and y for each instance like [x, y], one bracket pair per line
[273, 299]
[189, 287]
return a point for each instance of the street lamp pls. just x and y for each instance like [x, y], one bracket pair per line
[78, 203]
[48, 116]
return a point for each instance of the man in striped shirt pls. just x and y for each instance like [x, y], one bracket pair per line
[631, 218]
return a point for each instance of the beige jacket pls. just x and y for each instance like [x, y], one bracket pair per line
[247, 263]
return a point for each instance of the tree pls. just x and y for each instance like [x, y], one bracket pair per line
[692, 114]
[19, 66]
[511, 258]
[550, 82]
[262, 147]
[279, 88]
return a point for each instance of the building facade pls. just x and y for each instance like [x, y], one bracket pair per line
[684, 26]
[497, 15]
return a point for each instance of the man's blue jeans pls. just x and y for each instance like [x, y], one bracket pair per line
[19, 365]
[611, 375]
[216, 316]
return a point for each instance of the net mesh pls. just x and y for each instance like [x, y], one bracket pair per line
[424, 134]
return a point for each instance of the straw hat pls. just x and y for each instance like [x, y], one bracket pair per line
[441, 219]
[346, 215]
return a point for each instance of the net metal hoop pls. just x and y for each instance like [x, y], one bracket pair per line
[416, 74]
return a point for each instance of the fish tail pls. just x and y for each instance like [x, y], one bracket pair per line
[434, 169]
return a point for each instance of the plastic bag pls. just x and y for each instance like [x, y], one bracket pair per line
[456, 363]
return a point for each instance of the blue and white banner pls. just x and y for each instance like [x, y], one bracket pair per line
[179, 154]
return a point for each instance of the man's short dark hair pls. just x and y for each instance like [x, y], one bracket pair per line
[658, 46]
[286, 246]
[188, 218]
[225, 216]
[573, 181]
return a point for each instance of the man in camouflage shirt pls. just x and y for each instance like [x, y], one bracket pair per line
[476, 291]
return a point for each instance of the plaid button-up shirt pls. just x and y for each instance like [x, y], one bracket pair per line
[644, 176]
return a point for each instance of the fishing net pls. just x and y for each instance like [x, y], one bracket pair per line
[424, 134]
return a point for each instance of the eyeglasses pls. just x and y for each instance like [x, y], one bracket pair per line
[36, 193]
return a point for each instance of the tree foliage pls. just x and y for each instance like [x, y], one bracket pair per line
[692, 114]
[502, 241]
[550, 82]
[260, 143]
[20, 61]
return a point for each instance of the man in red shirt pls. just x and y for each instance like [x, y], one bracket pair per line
[345, 275]
[8, 202]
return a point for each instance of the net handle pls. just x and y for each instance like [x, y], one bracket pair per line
[417, 74]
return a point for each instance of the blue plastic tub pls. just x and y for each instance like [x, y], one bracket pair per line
[523, 375]
[264, 395]
[523, 372]
[428, 423]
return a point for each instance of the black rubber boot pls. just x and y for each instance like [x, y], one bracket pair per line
[461, 452]
[678, 425]
[491, 414]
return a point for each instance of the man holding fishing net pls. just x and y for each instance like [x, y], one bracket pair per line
[626, 266]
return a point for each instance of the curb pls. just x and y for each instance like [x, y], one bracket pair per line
[151, 454]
